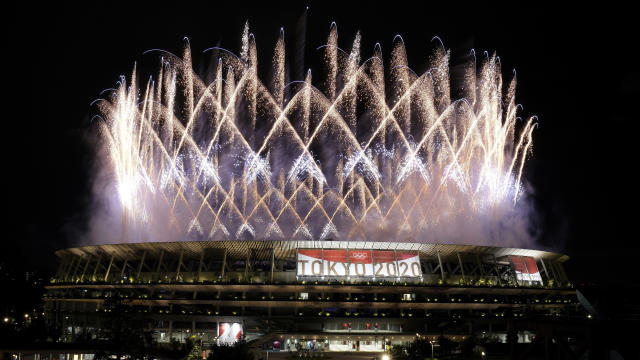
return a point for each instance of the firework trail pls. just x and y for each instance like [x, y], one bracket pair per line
[377, 152]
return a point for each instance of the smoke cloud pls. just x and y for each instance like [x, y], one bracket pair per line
[371, 152]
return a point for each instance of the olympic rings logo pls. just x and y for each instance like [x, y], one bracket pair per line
[359, 256]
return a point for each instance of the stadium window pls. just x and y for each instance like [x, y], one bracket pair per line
[408, 297]
[304, 296]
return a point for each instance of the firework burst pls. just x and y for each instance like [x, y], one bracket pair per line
[379, 150]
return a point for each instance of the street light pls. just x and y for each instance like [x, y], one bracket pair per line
[385, 357]
[431, 342]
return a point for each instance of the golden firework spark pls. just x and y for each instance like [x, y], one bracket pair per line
[237, 159]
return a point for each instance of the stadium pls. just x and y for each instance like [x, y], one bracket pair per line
[301, 199]
[312, 295]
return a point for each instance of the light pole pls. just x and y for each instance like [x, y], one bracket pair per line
[431, 342]
[201, 349]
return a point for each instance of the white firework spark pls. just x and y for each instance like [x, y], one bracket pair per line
[368, 154]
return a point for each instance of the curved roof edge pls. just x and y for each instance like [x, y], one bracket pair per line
[284, 248]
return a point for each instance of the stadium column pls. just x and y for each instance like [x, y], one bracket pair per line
[77, 268]
[273, 266]
[464, 278]
[224, 267]
[480, 267]
[553, 272]
[95, 270]
[224, 264]
[440, 265]
[179, 265]
[157, 274]
[543, 270]
[86, 266]
[195, 292]
[200, 266]
[124, 267]
[247, 267]
[495, 267]
[106, 274]
[68, 272]
[144, 254]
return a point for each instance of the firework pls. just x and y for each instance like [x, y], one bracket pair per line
[374, 150]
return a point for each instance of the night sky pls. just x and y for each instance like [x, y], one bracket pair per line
[577, 71]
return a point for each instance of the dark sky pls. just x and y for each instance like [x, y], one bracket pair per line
[577, 71]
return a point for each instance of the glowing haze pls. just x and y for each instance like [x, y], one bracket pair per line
[371, 152]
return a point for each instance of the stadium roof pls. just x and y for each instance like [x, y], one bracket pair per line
[284, 249]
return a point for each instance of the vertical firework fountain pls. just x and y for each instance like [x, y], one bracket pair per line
[378, 153]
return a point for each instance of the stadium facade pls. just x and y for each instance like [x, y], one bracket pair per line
[317, 295]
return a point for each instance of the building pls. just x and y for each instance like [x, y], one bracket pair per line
[314, 295]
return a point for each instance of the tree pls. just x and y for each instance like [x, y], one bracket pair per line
[196, 350]
[417, 350]
[446, 345]
[468, 346]
[238, 351]
[178, 350]
[123, 335]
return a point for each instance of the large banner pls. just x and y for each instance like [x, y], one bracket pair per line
[310, 263]
[229, 333]
[358, 263]
[386, 265]
[408, 264]
[526, 268]
[335, 261]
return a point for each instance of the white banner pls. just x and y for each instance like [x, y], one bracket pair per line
[526, 268]
[385, 263]
[229, 333]
[358, 263]
[408, 264]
